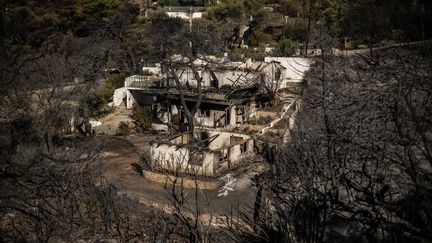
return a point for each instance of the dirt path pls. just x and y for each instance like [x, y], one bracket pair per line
[119, 153]
[110, 123]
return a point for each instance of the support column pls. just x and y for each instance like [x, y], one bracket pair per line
[129, 100]
[233, 116]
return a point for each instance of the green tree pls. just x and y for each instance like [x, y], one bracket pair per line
[286, 48]
[143, 116]
[227, 10]
[291, 8]
[259, 38]
[368, 20]
[296, 32]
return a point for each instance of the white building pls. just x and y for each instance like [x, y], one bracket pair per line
[207, 153]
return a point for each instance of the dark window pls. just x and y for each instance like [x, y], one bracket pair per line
[196, 158]
[243, 147]
[205, 113]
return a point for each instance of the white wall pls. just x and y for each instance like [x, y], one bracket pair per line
[210, 120]
[152, 70]
[130, 100]
[172, 158]
[233, 116]
[223, 139]
[226, 77]
[119, 95]
[296, 67]
[229, 76]
[184, 15]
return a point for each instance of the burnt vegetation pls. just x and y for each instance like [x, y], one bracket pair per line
[357, 166]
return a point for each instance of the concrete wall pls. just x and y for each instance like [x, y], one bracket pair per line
[296, 67]
[183, 139]
[159, 127]
[236, 155]
[233, 116]
[223, 139]
[226, 77]
[130, 100]
[119, 95]
[209, 121]
[172, 158]
[234, 152]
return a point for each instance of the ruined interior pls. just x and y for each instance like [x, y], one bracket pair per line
[205, 152]
[230, 94]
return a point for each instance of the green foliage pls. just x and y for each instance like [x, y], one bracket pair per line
[98, 102]
[32, 26]
[262, 17]
[261, 120]
[169, 2]
[291, 8]
[142, 115]
[226, 10]
[254, 5]
[123, 128]
[241, 54]
[286, 48]
[296, 32]
[97, 107]
[106, 90]
[224, 30]
[145, 161]
[101, 8]
[367, 22]
[259, 38]
[156, 14]
[32, 22]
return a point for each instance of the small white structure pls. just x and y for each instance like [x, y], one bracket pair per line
[119, 95]
[156, 70]
[295, 67]
[203, 154]
[186, 13]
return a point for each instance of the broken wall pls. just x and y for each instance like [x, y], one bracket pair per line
[174, 158]
[211, 119]
[232, 153]
[225, 77]
[226, 146]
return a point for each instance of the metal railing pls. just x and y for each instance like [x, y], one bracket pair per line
[139, 81]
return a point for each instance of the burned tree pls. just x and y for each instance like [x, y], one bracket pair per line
[358, 161]
[183, 55]
[176, 69]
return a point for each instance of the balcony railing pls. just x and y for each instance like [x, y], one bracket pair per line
[140, 81]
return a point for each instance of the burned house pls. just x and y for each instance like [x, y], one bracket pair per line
[225, 94]
[229, 93]
[205, 152]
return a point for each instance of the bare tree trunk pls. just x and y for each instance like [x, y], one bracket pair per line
[190, 114]
[308, 29]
